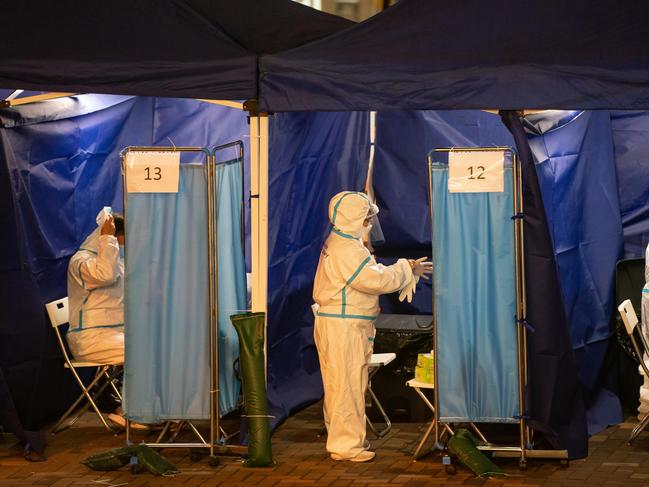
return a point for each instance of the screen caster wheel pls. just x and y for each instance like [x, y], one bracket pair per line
[195, 456]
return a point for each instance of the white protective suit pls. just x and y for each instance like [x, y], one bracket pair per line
[96, 298]
[644, 313]
[346, 290]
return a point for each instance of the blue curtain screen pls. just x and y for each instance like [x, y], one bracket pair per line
[475, 301]
[167, 325]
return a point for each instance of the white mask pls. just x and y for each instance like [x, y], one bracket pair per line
[367, 230]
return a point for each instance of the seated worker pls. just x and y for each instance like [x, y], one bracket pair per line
[96, 298]
[96, 294]
[643, 408]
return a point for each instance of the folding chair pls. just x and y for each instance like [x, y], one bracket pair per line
[58, 313]
[630, 320]
[376, 362]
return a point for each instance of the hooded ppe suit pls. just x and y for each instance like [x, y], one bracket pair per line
[96, 298]
[644, 313]
[346, 290]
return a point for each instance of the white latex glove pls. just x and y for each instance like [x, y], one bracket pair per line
[421, 267]
[409, 290]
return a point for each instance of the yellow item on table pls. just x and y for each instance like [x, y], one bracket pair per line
[425, 369]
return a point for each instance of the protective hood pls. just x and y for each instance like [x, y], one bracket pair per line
[92, 241]
[348, 210]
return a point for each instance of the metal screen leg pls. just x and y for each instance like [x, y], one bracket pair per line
[417, 455]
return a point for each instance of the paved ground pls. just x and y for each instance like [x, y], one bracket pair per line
[301, 461]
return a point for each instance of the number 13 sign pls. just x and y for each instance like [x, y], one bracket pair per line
[476, 171]
[152, 172]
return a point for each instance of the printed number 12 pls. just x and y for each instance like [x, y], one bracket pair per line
[157, 174]
[479, 172]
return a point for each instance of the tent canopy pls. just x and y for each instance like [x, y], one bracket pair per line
[421, 54]
[172, 48]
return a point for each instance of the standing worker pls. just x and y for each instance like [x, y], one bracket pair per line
[346, 290]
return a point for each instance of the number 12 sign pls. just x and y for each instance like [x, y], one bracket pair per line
[476, 171]
[152, 172]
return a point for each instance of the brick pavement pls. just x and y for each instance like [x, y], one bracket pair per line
[302, 461]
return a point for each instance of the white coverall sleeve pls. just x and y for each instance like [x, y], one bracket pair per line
[101, 269]
[378, 279]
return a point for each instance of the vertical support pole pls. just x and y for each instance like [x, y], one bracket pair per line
[215, 239]
[435, 371]
[210, 283]
[521, 250]
[259, 215]
[520, 328]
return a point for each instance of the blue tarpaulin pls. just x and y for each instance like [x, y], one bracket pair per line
[59, 164]
[312, 157]
[575, 164]
[76, 150]
[555, 402]
[631, 146]
[403, 142]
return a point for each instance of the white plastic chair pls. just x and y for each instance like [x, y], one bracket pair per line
[630, 320]
[58, 313]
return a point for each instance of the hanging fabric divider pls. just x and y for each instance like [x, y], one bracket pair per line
[176, 376]
[227, 179]
[479, 366]
[479, 303]
[475, 300]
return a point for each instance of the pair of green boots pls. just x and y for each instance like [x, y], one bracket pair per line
[250, 329]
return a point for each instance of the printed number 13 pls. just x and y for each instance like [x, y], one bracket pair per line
[157, 174]
[478, 172]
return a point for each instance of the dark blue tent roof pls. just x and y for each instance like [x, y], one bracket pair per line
[174, 48]
[445, 54]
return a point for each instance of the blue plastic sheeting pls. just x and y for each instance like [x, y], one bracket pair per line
[631, 144]
[58, 167]
[475, 301]
[444, 54]
[403, 140]
[555, 404]
[576, 169]
[54, 176]
[312, 157]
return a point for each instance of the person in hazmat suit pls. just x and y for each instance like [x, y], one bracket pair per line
[96, 294]
[346, 292]
[643, 408]
[96, 299]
